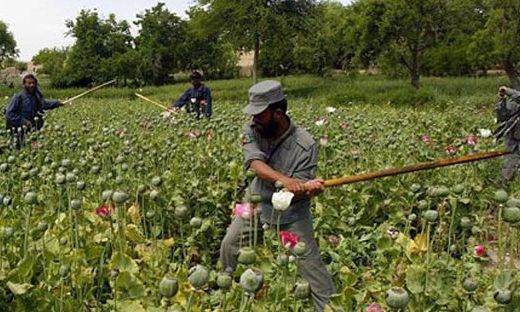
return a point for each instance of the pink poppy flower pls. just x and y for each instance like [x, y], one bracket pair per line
[333, 239]
[425, 139]
[344, 125]
[209, 136]
[480, 251]
[374, 307]
[35, 145]
[104, 211]
[289, 239]
[471, 140]
[450, 150]
[244, 210]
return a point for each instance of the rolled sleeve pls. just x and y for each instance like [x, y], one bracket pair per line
[251, 149]
[514, 94]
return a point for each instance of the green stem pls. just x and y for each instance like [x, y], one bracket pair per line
[190, 299]
[428, 227]
[500, 247]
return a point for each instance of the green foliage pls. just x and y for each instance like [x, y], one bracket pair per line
[161, 34]
[97, 41]
[7, 43]
[52, 60]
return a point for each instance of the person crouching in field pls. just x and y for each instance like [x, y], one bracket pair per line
[197, 98]
[25, 110]
[508, 111]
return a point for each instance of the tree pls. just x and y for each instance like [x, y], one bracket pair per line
[402, 31]
[7, 44]
[160, 44]
[500, 38]
[52, 60]
[249, 24]
[97, 41]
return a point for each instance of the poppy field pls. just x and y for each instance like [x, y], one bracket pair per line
[116, 205]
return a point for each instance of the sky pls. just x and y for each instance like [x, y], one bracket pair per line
[38, 24]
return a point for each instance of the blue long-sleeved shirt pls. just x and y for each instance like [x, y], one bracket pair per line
[25, 106]
[200, 93]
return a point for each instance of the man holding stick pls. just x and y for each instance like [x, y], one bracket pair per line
[276, 150]
[198, 98]
[26, 109]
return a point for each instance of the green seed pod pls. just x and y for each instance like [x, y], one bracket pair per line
[106, 195]
[60, 179]
[255, 198]
[168, 287]
[150, 214]
[278, 185]
[470, 285]
[141, 188]
[8, 232]
[415, 188]
[75, 204]
[422, 204]
[7, 201]
[412, 217]
[63, 241]
[501, 196]
[30, 198]
[196, 222]
[282, 260]
[154, 194]
[156, 181]
[503, 296]
[80, 185]
[458, 189]
[302, 290]
[119, 197]
[511, 214]
[224, 281]
[251, 281]
[246, 255]
[64, 270]
[442, 191]
[431, 215]
[181, 212]
[397, 298]
[198, 276]
[300, 248]
[513, 202]
[70, 177]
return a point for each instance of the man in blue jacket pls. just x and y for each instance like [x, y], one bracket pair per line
[25, 110]
[197, 97]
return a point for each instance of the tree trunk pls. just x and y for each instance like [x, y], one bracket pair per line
[255, 59]
[510, 68]
[415, 69]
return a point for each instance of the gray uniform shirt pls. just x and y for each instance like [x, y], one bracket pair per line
[505, 110]
[296, 156]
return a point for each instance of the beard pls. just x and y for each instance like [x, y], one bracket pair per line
[267, 131]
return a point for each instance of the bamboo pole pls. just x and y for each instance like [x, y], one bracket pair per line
[88, 91]
[153, 102]
[412, 168]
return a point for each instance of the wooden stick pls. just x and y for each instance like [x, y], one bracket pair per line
[418, 167]
[153, 102]
[88, 91]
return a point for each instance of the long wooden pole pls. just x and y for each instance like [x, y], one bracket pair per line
[153, 102]
[412, 168]
[67, 101]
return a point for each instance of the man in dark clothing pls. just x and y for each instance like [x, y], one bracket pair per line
[197, 97]
[25, 110]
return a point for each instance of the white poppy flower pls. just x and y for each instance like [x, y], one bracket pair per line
[485, 133]
[166, 115]
[282, 200]
[330, 109]
[320, 122]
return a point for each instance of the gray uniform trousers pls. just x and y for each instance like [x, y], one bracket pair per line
[310, 266]
[511, 163]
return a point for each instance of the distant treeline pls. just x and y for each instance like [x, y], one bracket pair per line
[402, 38]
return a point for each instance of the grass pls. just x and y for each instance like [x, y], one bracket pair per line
[337, 90]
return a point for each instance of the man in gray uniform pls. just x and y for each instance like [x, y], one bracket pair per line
[508, 111]
[279, 151]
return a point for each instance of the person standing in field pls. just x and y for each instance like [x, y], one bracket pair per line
[25, 110]
[508, 112]
[197, 98]
[276, 150]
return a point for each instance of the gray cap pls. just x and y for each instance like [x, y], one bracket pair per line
[262, 94]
